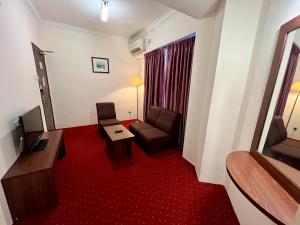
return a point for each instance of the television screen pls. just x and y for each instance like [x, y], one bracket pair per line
[33, 128]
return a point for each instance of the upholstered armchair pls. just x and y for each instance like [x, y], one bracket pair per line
[106, 115]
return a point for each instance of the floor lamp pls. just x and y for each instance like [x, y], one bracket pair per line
[137, 82]
[295, 88]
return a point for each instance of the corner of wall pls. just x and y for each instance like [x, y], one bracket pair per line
[229, 86]
[218, 24]
[241, 139]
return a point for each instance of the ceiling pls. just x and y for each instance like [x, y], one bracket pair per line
[126, 17]
[193, 8]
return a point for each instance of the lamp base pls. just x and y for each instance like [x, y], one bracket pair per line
[136, 121]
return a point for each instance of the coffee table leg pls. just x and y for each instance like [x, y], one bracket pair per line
[129, 147]
[120, 149]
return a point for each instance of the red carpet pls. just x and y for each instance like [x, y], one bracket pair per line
[149, 190]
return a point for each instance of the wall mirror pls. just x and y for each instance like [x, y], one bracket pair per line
[276, 142]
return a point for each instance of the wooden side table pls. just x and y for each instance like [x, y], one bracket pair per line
[119, 144]
[29, 184]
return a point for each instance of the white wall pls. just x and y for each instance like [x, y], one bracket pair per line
[274, 14]
[19, 90]
[207, 95]
[277, 13]
[2, 216]
[75, 89]
[236, 47]
[141, 88]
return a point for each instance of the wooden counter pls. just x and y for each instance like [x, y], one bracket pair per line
[261, 188]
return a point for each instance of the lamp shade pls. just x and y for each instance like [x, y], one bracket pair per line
[296, 86]
[137, 81]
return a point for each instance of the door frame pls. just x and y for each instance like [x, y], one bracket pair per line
[34, 46]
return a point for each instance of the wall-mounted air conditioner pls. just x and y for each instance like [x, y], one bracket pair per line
[137, 47]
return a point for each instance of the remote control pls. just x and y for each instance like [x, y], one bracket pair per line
[118, 131]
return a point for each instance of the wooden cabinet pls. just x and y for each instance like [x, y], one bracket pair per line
[29, 184]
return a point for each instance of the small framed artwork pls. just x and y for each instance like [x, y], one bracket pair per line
[100, 65]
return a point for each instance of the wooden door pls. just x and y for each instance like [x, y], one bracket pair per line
[41, 69]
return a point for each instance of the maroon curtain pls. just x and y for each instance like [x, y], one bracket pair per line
[154, 79]
[178, 78]
[288, 80]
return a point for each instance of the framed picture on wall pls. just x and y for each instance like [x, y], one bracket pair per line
[100, 65]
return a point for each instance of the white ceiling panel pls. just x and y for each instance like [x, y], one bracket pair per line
[126, 17]
[193, 8]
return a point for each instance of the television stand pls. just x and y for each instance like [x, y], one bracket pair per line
[40, 145]
[29, 184]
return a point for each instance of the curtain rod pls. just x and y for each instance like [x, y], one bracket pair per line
[180, 39]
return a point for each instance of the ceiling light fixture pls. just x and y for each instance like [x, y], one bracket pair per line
[104, 10]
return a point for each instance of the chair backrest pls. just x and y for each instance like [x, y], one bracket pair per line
[168, 121]
[106, 110]
[277, 132]
[153, 115]
[164, 119]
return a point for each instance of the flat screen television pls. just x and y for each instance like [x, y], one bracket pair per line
[32, 126]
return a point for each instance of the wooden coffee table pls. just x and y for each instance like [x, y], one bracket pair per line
[118, 144]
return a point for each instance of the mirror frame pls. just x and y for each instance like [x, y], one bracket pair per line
[281, 178]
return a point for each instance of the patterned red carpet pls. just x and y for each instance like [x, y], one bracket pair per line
[150, 190]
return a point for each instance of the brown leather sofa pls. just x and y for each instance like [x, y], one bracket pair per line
[279, 146]
[159, 131]
[106, 114]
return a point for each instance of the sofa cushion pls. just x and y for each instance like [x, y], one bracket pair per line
[276, 132]
[291, 142]
[153, 114]
[168, 121]
[154, 136]
[280, 126]
[287, 150]
[109, 122]
[134, 127]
